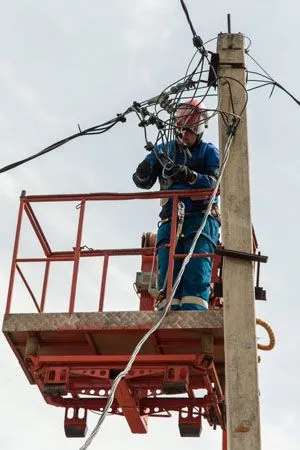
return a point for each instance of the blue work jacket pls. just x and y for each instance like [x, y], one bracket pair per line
[203, 159]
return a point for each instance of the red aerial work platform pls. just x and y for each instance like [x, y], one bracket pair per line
[81, 353]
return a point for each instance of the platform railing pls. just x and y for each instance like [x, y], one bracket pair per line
[79, 251]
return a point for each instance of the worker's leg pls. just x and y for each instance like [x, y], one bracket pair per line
[197, 274]
[163, 238]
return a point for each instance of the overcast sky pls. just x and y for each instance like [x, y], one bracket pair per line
[69, 62]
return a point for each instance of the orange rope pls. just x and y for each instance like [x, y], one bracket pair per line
[269, 330]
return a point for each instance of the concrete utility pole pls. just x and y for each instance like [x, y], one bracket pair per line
[242, 396]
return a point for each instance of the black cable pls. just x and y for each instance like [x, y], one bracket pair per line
[249, 43]
[179, 95]
[197, 41]
[275, 83]
[141, 116]
[42, 152]
[170, 96]
[260, 86]
[254, 60]
[260, 75]
[190, 63]
[188, 17]
[287, 92]
[98, 129]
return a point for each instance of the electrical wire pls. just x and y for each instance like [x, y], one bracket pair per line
[165, 136]
[98, 129]
[174, 93]
[188, 17]
[272, 81]
[176, 90]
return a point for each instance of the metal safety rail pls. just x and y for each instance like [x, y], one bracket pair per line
[74, 357]
[79, 251]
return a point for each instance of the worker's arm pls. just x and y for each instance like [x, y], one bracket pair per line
[203, 180]
[147, 172]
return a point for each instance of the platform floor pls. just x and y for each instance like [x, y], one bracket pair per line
[116, 333]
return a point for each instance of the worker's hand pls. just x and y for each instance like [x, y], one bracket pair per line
[182, 174]
[144, 169]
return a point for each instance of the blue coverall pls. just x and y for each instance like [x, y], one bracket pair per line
[194, 289]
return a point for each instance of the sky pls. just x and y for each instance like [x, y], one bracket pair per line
[73, 62]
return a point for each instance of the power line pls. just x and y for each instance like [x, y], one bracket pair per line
[272, 81]
[98, 129]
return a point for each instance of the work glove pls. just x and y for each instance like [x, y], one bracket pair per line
[182, 174]
[144, 169]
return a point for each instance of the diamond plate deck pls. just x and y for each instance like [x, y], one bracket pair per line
[114, 333]
[111, 320]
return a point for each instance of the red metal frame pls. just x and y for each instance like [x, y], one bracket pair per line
[50, 256]
[88, 377]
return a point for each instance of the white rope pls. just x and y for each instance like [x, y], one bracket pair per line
[207, 212]
[159, 322]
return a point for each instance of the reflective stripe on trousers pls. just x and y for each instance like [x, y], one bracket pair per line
[191, 301]
[188, 303]
[175, 303]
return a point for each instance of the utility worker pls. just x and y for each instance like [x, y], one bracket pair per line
[195, 166]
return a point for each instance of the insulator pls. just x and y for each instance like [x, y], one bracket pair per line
[152, 119]
[143, 123]
[163, 97]
[160, 125]
[145, 111]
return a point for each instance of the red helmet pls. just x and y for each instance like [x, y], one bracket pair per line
[191, 115]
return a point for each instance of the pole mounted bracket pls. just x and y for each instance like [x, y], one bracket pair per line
[241, 255]
[213, 70]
